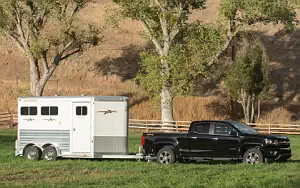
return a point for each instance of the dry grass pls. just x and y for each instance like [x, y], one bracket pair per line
[185, 108]
[278, 115]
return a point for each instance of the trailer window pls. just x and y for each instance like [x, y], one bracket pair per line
[81, 110]
[28, 111]
[49, 110]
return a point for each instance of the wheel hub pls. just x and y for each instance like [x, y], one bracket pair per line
[252, 158]
[165, 157]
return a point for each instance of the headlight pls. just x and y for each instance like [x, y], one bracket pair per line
[268, 141]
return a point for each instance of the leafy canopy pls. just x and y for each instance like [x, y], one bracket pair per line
[266, 11]
[156, 13]
[37, 26]
[187, 60]
[250, 73]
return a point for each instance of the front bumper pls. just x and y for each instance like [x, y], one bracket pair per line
[277, 153]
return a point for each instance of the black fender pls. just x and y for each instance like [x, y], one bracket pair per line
[169, 144]
[248, 145]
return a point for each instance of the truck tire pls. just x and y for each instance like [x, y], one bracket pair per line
[50, 154]
[253, 156]
[166, 156]
[32, 153]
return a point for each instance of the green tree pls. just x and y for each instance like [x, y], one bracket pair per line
[47, 33]
[239, 15]
[167, 67]
[187, 60]
[247, 82]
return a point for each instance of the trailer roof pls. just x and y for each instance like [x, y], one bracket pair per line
[94, 98]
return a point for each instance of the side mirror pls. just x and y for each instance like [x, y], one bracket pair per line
[233, 133]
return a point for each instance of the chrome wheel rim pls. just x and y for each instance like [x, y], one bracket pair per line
[252, 158]
[164, 157]
[32, 154]
[49, 155]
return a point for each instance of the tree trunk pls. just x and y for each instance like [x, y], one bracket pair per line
[258, 111]
[248, 109]
[38, 83]
[166, 105]
[166, 95]
[34, 78]
[252, 108]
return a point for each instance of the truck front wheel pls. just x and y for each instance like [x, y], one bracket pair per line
[166, 156]
[253, 156]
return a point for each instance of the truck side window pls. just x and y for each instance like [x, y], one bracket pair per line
[49, 110]
[81, 110]
[201, 128]
[28, 111]
[222, 129]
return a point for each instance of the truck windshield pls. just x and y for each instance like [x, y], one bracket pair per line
[245, 129]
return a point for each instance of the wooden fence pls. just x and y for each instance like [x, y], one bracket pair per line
[8, 119]
[11, 120]
[179, 126]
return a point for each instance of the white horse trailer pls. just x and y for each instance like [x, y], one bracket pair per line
[73, 127]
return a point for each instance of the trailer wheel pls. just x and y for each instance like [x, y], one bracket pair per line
[32, 153]
[50, 153]
[166, 156]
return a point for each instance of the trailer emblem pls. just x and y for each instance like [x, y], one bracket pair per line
[108, 111]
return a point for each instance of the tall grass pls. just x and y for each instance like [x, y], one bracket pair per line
[17, 172]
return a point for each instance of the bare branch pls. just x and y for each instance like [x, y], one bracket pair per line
[16, 41]
[164, 27]
[20, 29]
[159, 5]
[45, 62]
[70, 54]
[175, 29]
[152, 37]
[230, 36]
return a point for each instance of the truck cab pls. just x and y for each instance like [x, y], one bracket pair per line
[217, 140]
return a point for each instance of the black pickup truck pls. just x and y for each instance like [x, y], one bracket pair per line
[216, 140]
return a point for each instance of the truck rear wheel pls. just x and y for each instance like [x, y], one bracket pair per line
[166, 156]
[32, 153]
[253, 156]
[50, 153]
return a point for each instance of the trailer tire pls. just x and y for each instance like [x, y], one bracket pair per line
[32, 153]
[166, 156]
[50, 153]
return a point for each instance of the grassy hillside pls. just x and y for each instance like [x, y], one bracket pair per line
[108, 69]
[17, 172]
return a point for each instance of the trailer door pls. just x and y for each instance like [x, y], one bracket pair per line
[81, 127]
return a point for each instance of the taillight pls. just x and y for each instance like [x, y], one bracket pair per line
[143, 140]
[17, 139]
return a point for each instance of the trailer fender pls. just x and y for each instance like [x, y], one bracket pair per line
[56, 146]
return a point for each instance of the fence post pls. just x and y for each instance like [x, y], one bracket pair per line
[11, 120]
[146, 125]
[176, 126]
[269, 128]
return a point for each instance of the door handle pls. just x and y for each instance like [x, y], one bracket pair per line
[215, 139]
[74, 129]
[194, 138]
